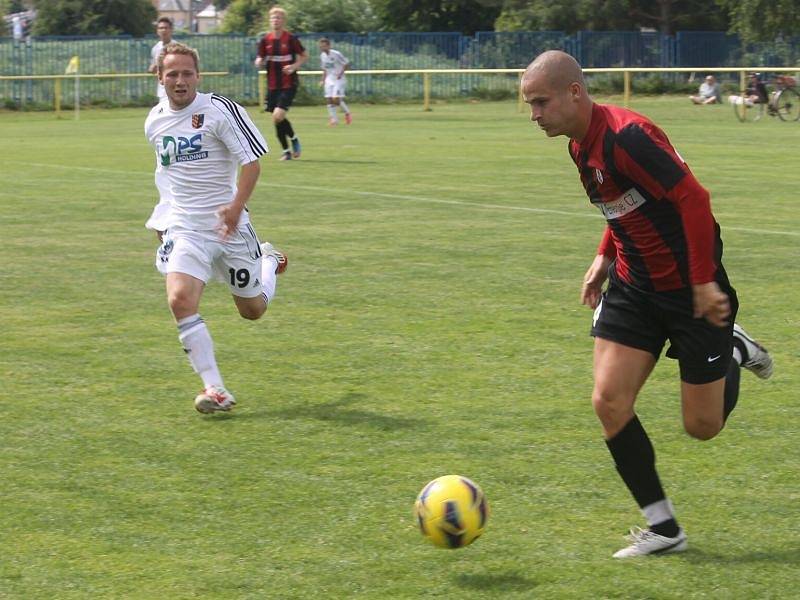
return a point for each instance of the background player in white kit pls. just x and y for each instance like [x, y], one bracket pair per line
[334, 64]
[164, 33]
[158, 219]
[200, 141]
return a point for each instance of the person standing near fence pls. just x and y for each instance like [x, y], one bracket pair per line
[202, 141]
[164, 33]
[333, 81]
[282, 54]
[662, 255]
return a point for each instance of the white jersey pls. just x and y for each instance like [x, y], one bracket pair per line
[333, 63]
[199, 149]
[154, 52]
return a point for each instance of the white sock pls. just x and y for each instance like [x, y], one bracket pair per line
[332, 111]
[658, 512]
[269, 279]
[737, 355]
[193, 334]
[343, 104]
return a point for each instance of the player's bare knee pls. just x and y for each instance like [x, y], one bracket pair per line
[181, 303]
[252, 312]
[703, 428]
[612, 411]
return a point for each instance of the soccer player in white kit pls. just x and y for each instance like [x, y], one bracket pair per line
[164, 33]
[158, 219]
[334, 64]
[200, 141]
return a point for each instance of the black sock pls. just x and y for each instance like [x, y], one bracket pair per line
[668, 528]
[731, 395]
[635, 460]
[281, 135]
[287, 127]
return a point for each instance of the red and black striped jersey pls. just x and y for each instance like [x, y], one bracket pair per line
[278, 52]
[659, 223]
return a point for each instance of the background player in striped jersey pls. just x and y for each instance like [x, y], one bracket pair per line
[282, 54]
[200, 141]
[661, 253]
[333, 81]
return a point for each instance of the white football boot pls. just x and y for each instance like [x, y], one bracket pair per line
[758, 360]
[268, 249]
[646, 542]
[214, 398]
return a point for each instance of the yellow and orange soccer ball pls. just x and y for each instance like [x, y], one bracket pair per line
[451, 511]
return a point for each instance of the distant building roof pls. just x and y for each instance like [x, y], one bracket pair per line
[172, 5]
[209, 12]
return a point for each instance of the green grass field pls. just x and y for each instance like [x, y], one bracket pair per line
[429, 323]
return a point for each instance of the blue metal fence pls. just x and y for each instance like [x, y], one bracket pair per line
[235, 53]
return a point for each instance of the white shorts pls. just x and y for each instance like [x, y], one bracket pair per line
[335, 88]
[201, 254]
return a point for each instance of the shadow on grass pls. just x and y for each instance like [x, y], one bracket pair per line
[338, 411]
[496, 582]
[789, 556]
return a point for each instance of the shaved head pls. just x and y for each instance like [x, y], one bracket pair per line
[554, 88]
[558, 68]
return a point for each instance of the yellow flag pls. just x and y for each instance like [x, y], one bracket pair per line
[73, 66]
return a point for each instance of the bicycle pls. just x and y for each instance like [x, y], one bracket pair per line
[756, 100]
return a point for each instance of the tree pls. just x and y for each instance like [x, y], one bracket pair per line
[466, 16]
[666, 16]
[762, 20]
[332, 15]
[245, 16]
[250, 16]
[8, 7]
[669, 16]
[93, 17]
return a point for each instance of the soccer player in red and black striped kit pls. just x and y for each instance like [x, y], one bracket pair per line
[283, 54]
[661, 254]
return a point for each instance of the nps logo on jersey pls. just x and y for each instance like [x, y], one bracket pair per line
[181, 149]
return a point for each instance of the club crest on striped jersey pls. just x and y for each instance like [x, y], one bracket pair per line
[197, 120]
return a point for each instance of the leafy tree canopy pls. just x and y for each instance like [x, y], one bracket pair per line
[666, 16]
[94, 17]
[332, 15]
[245, 16]
[763, 20]
[465, 16]
[250, 16]
[11, 6]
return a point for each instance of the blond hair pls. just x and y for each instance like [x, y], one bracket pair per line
[277, 9]
[178, 48]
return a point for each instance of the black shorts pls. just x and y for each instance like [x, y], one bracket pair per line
[281, 98]
[646, 320]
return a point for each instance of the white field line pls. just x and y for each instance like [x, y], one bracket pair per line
[426, 199]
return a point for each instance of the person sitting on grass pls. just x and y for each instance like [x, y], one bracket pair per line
[709, 92]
